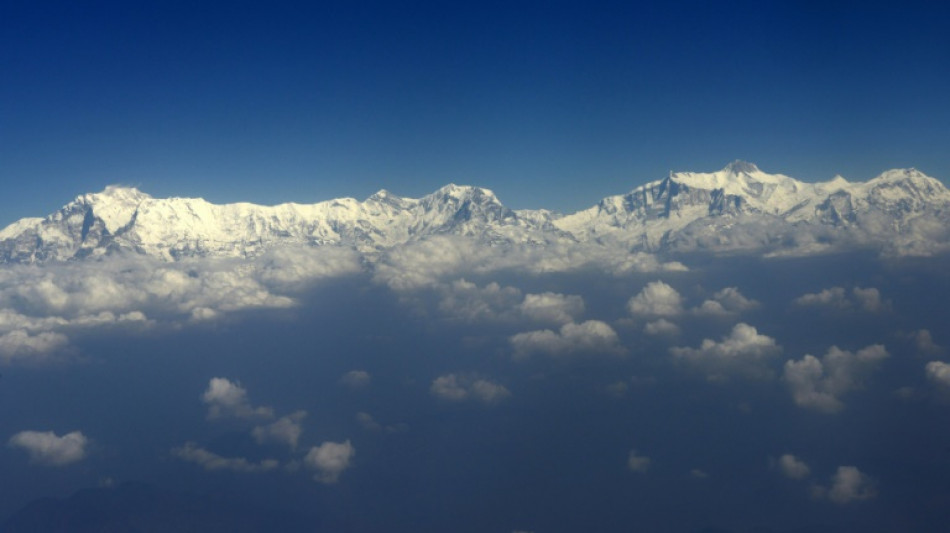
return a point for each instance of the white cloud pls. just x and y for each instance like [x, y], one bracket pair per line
[938, 372]
[226, 398]
[925, 342]
[638, 463]
[727, 302]
[661, 326]
[817, 384]
[356, 379]
[193, 453]
[464, 300]
[370, 424]
[793, 467]
[285, 430]
[848, 485]
[427, 262]
[21, 345]
[868, 299]
[329, 460]
[47, 448]
[453, 387]
[834, 297]
[837, 298]
[592, 336]
[41, 305]
[744, 352]
[656, 299]
[552, 307]
[698, 473]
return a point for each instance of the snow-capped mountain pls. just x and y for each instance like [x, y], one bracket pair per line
[737, 208]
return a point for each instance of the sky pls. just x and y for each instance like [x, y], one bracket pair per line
[677, 363]
[275, 102]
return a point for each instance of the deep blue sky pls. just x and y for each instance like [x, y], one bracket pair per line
[550, 104]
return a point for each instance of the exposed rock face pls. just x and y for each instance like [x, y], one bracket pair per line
[737, 208]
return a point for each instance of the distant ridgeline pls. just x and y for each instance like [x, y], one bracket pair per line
[737, 209]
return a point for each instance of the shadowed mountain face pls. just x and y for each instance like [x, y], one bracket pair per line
[138, 507]
[739, 208]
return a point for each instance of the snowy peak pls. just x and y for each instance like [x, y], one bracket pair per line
[741, 167]
[737, 208]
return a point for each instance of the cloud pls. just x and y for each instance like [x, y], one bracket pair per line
[40, 306]
[356, 379]
[330, 459]
[938, 372]
[285, 430]
[427, 262]
[656, 299]
[229, 399]
[467, 301]
[638, 463]
[817, 384]
[193, 453]
[552, 307]
[592, 336]
[848, 485]
[744, 352]
[698, 473]
[837, 298]
[793, 467]
[925, 342]
[727, 302]
[370, 424]
[661, 326]
[464, 300]
[20, 345]
[453, 387]
[48, 449]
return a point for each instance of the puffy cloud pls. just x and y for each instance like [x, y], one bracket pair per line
[356, 379]
[868, 300]
[329, 460]
[661, 326]
[728, 301]
[793, 467]
[817, 384]
[20, 345]
[848, 485]
[226, 398]
[656, 299]
[938, 372]
[47, 448]
[193, 453]
[41, 305]
[285, 430]
[426, 262]
[925, 342]
[467, 301]
[552, 307]
[833, 297]
[464, 300]
[744, 352]
[638, 463]
[592, 336]
[453, 387]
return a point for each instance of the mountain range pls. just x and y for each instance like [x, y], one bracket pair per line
[737, 209]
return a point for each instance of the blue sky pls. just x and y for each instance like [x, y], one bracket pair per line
[550, 104]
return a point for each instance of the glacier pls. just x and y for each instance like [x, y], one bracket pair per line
[739, 209]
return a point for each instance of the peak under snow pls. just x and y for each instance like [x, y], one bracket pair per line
[683, 210]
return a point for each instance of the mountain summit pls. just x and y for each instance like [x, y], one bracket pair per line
[738, 208]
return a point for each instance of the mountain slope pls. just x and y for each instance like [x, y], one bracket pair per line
[737, 208]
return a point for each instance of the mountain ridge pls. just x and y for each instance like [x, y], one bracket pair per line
[739, 207]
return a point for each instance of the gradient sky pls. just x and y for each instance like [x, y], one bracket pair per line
[550, 104]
